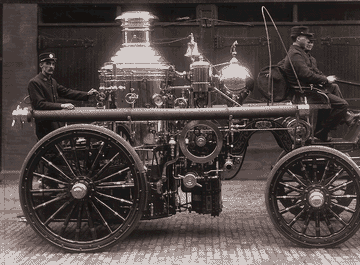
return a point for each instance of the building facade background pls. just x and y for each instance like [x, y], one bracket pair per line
[84, 35]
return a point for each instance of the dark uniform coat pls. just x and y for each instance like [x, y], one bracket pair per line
[307, 72]
[44, 94]
[305, 67]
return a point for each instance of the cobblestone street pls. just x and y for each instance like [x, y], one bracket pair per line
[242, 234]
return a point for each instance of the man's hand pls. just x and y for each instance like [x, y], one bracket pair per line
[67, 106]
[331, 78]
[92, 91]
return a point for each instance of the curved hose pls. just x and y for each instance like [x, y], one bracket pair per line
[241, 163]
[282, 42]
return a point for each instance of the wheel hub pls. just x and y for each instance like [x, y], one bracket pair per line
[316, 198]
[200, 141]
[79, 190]
[190, 180]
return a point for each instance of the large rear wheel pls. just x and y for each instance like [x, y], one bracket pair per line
[82, 188]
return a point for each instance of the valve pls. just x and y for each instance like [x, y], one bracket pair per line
[130, 98]
[229, 164]
[189, 180]
[172, 144]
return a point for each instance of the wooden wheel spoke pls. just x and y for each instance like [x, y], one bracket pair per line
[67, 219]
[306, 223]
[290, 187]
[294, 176]
[288, 197]
[49, 202]
[101, 217]
[314, 167]
[87, 149]
[334, 177]
[78, 222]
[338, 217]
[329, 225]
[115, 185]
[293, 221]
[105, 166]
[317, 223]
[112, 175]
[343, 207]
[47, 190]
[77, 163]
[90, 221]
[339, 187]
[303, 169]
[287, 209]
[56, 168]
[345, 196]
[97, 158]
[57, 211]
[47, 177]
[65, 160]
[325, 171]
[110, 209]
[115, 198]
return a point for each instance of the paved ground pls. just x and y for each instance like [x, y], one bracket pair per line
[242, 234]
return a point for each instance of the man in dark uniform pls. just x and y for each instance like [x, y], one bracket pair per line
[307, 73]
[44, 93]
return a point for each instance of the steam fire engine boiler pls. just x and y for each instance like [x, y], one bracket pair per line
[150, 149]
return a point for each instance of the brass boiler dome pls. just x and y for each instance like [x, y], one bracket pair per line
[136, 67]
[134, 74]
[235, 77]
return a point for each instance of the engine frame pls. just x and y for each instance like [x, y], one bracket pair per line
[172, 154]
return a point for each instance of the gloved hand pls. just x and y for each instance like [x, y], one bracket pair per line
[331, 78]
[67, 106]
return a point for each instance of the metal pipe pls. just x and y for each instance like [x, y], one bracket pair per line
[226, 96]
[148, 114]
[347, 82]
[179, 87]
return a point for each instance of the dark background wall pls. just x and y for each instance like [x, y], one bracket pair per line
[84, 36]
[1, 63]
[19, 64]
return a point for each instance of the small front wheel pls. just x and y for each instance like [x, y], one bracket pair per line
[313, 196]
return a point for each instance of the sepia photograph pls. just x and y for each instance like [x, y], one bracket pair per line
[179, 132]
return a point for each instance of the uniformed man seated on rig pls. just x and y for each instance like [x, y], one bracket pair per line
[44, 93]
[308, 74]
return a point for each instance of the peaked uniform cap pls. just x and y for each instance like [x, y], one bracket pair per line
[301, 30]
[47, 56]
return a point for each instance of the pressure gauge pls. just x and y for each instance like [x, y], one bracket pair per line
[181, 103]
[158, 100]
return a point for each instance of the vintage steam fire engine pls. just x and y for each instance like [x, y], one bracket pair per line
[155, 149]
